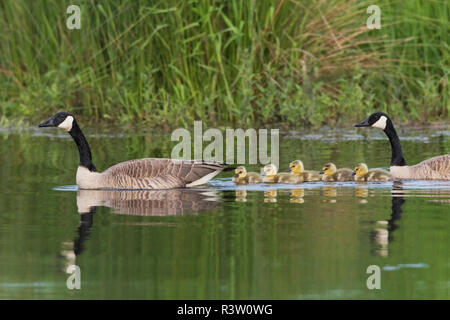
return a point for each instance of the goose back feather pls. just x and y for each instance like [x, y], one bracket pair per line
[436, 168]
[151, 173]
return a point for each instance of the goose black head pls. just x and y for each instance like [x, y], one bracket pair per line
[61, 120]
[376, 120]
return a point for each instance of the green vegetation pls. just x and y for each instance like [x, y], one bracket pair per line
[168, 62]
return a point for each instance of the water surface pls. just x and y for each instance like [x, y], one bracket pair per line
[310, 241]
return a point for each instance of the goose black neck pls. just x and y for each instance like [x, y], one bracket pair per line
[397, 155]
[83, 147]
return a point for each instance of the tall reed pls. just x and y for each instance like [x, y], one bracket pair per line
[170, 62]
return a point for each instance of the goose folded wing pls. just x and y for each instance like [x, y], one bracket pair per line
[436, 167]
[160, 173]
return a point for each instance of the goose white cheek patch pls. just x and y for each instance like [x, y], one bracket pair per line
[381, 123]
[66, 124]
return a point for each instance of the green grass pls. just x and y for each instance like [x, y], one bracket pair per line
[254, 62]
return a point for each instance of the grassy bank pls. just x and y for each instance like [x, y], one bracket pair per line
[236, 62]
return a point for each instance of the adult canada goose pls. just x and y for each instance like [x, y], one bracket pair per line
[436, 168]
[271, 175]
[243, 177]
[331, 173]
[149, 173]
[362, 173]
[297, 168]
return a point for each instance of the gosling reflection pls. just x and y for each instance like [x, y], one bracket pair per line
[384, 231]
[297, 195]
[361, 192]
[270, 196]
[329, 191]
[241, 196]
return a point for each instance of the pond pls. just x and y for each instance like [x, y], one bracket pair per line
[219, 241]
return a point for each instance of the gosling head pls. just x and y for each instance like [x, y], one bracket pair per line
[360, 170]
[270, 170]
[61, 120]
[296, 167]
[378, 120]
[240, 172]
[328, 169]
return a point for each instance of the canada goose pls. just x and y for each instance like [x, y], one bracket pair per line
[362, 173]
[330, 173]
[271, 176]
[436, 168]
[243, 177]
[149, 173]
[297, 168]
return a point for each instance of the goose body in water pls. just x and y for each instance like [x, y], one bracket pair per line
[148, 173]
[436, 168]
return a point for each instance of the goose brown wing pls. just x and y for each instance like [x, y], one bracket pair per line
[439, 166]
[152, 173]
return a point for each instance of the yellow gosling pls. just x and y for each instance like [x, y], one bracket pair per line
[243, 177]
[331, 173]
[271, 176]
[298, 169]
[362, 173]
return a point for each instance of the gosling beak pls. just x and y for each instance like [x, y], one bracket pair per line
[321, 172]
[353, 173]
[365, 123]
[49, 123]
[289, 170]
[236, 175]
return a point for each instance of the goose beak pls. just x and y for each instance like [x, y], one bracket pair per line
[236, 175]
[365, 123]
[321, 172]
[48, 123]
[353, 173]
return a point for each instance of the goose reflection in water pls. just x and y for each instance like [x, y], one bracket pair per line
[137, 203]
[383, 232]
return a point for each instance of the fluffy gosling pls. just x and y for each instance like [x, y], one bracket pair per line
[243, 177]
[331, 173]
[271, 176]
[298, 169]
[362, 173]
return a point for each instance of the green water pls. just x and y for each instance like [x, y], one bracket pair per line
[313, 241]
